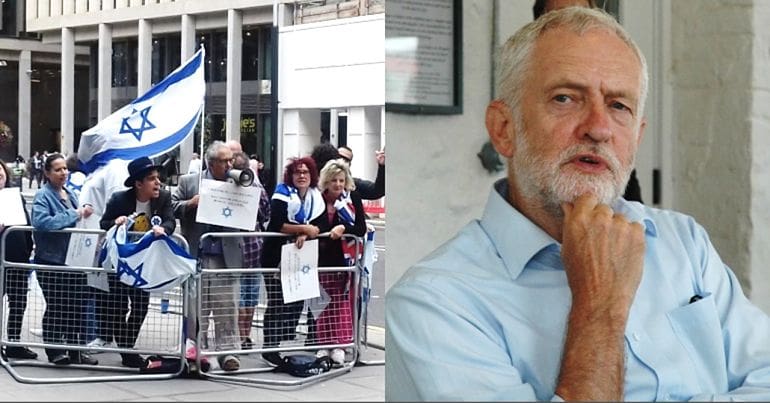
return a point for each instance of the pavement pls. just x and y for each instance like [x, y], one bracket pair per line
[364, 381]
[361, 383]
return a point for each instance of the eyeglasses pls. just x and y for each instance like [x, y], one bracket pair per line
[224, 160]
[301, 173]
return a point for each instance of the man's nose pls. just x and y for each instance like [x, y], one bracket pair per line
[596, 122]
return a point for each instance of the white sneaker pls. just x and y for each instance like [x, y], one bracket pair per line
[98, 343]
[338, 356]
[322, 353]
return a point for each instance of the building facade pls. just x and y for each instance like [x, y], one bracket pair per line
[126, 46]
[30, 80]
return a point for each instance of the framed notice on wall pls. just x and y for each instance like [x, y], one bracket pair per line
[423, 56]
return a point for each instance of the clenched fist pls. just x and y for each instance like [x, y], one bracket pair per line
[603, 255]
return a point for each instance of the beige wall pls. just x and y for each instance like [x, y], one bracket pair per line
[720, 66]
[759, 246]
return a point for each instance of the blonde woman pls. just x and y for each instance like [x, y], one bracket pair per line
[344, 214]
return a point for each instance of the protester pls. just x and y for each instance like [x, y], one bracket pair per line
[75, 177]
[264, 173]
[563, 290]
[150, 209]
[195, 164]
[99, 186]
[56, 207]
[295, 203]
[18, 246]
[344, 215]
[367, 189]
[218, 292]
[252, 254]
[234, 145]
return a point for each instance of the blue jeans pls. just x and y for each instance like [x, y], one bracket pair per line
[250, 289]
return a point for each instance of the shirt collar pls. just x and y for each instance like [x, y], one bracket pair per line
[517, 239]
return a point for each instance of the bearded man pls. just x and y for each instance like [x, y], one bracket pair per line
[563, 289]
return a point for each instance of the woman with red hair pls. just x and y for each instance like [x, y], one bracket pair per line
[294, 204]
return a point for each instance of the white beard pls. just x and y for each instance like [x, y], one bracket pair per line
[552, 187]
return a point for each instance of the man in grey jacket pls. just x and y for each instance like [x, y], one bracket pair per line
[218, 292]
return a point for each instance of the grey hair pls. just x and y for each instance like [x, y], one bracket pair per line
[515, 56]
[241, 160]
[213, 148]
[331, 169]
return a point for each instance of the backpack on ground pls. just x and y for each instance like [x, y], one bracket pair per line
[304, 365]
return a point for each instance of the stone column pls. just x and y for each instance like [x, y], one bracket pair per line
[67, 141]
[104, 74]
[188, 49]
[144, 57]
[233, 97]
[23, 132]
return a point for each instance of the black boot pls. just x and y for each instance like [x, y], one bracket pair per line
[20, 352]
[132, 360]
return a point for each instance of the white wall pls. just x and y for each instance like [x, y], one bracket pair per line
[301, 131]
[364, 132]
[760, 163]
[712, 65]
[333, 64]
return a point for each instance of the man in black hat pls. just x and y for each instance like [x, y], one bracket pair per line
[150, 208]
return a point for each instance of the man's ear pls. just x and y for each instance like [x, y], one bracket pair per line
[500, 128]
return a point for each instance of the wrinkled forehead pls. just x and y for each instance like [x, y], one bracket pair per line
[597, 49]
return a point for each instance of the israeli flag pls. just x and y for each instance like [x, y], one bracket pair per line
[151, 263]
[152, 124]
[369, 258]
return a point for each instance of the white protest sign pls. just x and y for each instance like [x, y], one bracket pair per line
[82, 247]
[299, 271]
[228, 205]
[12, 212]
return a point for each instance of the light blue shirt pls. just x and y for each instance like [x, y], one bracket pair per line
[484, 317]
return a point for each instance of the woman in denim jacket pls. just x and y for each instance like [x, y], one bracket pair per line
[56, 207]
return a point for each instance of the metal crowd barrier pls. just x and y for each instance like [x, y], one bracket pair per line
[367, 281]
[222, 285]
[161, 332]
[171, 312]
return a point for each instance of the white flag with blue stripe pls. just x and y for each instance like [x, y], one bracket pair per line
[151, 263]
[152, 124]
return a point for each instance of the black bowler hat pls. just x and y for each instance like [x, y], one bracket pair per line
[137, 169]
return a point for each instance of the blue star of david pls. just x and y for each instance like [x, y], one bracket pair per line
[227, 212]
[145, 124]
[124, 268]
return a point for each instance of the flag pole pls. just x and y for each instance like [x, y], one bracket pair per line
[203, 125]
